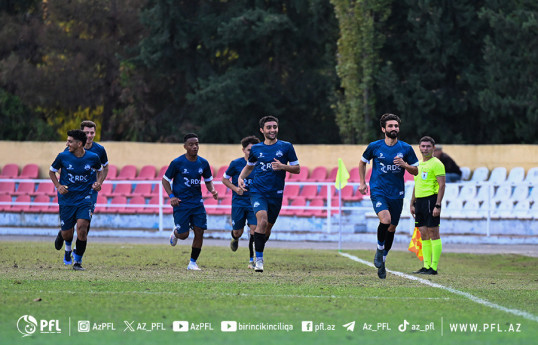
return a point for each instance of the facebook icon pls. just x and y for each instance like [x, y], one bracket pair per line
[307, 326]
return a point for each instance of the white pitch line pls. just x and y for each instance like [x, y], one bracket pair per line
[475, 299]
[226, 294]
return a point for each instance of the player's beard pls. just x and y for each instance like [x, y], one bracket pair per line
[392, 134]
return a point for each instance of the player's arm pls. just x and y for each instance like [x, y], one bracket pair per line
[229, 184]
[413, 200]
[363, 187]
[61, 188]
[292, 169]
[243, 175]
[174, 201]
[105, 172]
[412, 169]
[211, 189]
[442, 183]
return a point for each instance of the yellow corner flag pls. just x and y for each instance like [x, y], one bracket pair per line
[341, 176]
[416, 244]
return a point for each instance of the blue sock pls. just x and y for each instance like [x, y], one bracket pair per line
[77, 257]
[259, 255]
[192, 260]
[380, 245]
[68, 246]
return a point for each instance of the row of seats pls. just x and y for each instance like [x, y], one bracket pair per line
[482, 192]
[505, 209]
[318, 174]
[141, 205]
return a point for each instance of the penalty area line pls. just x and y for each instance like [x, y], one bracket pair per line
[473, 298]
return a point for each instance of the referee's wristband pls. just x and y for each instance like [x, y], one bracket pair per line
[172, 196]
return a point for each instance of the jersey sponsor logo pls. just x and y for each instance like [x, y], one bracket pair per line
[191, 182]
[279, 153]
[77, 178]
[389, 168]
[266, 166]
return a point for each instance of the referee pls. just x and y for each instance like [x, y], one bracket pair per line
[426, 204]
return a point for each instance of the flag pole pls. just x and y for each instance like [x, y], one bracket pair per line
[340, 219]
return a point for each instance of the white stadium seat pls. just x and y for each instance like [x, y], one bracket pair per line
[532, 175]
[498, 175]
[516, 175]
[485, 192]
[522, 210]
[465, 173]
[472, 209]
[521, 192]
[451, 191]
[453, 209]
[503, 192]
[468, 191]
[505, 209]
[480, 174]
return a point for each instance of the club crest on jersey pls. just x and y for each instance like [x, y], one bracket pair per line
[399, 155]
[279, 153]
[378, 204]
[256, 204]
[424, 175]
[87, 167]
[200, 171]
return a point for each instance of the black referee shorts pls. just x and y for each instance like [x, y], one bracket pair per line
[424, 212]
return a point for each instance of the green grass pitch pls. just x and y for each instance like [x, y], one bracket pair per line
[149, 287]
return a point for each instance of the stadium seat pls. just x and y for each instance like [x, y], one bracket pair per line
[353, 175]
[162, 171]
[480, 174]
[45, 188]
[106, 189]
[7, 187]
[451, 191]
[127, 172]
[5, 198]
[54, 208]
[319, 174]
[521, 192]
[335, 204]
[117, 200]
[143, 190]
[323, 192]
[503, 192]
[102, 202]
[291, 191]
[534, 211]
[316, 212]
[226, 201]
[210, 208]
[221, 172]
[505, 210]
[532, 176]
[471, 209]
[301, 176]
[112, 172]
[309, 192]
[407, 177]
[348, 194]
[533, 195]
[332, 175]
[467, 192]
[516, 175]
[159, 186]
[154, 200]
[498, 175]
[42, 198]
[453, 209]
[465, 173]
[485, 192]
[297, 202]
[522, 210]
[222, 190]
[25, 188]
[147, 172]
[17, 207]
[136, 200]
[10, 171]
[122, 189]
[29, 171]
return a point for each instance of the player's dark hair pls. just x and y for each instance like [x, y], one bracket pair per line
[268, 118]
[249, 140]
[88, 123]
[77, 134]
[427, 138]
[188, 136]
[389, 117]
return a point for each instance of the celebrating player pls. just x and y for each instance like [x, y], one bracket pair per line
[269, 160]
[389, 159]
[185, 173]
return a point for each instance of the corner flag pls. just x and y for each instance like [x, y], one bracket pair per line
[342, 175]
[415, 245]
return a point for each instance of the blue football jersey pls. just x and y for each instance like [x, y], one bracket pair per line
[388, 178]
[233, 172]
[76, 173]
[185, 177]
[100, 151]
[266, 180]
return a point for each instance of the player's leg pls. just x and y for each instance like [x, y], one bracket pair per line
[259, 207]
[251, 263]
[199, 225]
[239, 218]
[181, 226]
[381, 208]
[395, 210]
[68, 219]
[437, 248]
[426, 248]
[82, 241]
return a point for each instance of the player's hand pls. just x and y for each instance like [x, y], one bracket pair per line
[215, 194]
[241, 183]
[363, 188]
[436, 212]
[174, 201]
[277, 165]
[239, 191]
[412, 210]
[62, 189]
[400, 162]
[96, 186]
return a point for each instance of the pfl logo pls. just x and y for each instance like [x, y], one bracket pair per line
[27, 325]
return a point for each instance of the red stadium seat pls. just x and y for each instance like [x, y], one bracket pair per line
[319, 174]
[102, 201]
[221, 172]
[227, 201]
[332, 175]
[30, 171]
[42, 198]
[127, 172]
[210, 204]
[106, 189]
[21, 208]
[10, 171]
[354, 175]
[298, 202]
[349, 195]
[222, 189]
[291, 191]
[309, 192]
[7, 187]
[408, 176]
[45, 188]
[117, 200]
[5, 198]
[136, 200]
[316, 213]
[154, 200]
[147, 172]
[301, 176]
[167, 208]
[123, 189]
[25, 188]
[142, 189]
[161, 172]
[112, 172]
[323, 192]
